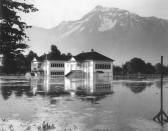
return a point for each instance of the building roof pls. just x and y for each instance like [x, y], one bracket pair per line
[61, 58]
[93, 55]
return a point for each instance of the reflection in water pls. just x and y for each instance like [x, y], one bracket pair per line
[56, 86]
[51, 86]
[59, 86]
[115, 112]
[88, 86]
[137, 87]
[7, 91]
[158, 83]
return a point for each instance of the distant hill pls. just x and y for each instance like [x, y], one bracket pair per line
[116, 33]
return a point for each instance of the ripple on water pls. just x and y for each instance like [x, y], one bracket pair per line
[146, 125]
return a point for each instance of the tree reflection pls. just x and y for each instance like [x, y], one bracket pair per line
[6, 92]
[18, 91]
[137, 87]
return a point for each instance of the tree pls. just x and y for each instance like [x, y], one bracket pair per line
[55, 52]
[136, 65]
[21, 63]
[150, 69]
[12, 31]
[69, 55]
[29, 58]
[117, 70]
[158, 67]
[126, 68]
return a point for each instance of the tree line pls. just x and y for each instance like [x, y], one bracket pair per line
[139, 66]
[22, 63]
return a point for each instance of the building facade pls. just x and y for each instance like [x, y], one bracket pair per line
[90, 63]
[1, 62]
[48, 67]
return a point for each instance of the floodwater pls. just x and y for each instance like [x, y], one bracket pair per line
[81, 104]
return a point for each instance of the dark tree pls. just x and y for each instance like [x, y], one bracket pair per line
[55, 52]
[117, 70]
[69, 55]
[137, 65]
[31, 55]
[127, 68]
[21, 63]
[12, 31]
[150, 69]
[158, 69]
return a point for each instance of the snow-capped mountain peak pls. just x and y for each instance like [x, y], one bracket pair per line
[101, 8]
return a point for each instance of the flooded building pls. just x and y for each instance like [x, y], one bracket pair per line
[89, 63]
[48, 67]
[1, 62]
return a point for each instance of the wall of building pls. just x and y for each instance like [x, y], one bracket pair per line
[90, 68]
[85, 66]
[48, 68]
[54, 68]
[1, 60]
[34, 66]
[103, 67]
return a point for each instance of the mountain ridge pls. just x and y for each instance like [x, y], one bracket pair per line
[116, 33]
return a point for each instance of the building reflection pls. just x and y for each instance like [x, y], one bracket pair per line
[52, 86]
[59, 85]
[89, 85]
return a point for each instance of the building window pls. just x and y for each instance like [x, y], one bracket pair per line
[56, 73]
[103, 66]
[57, 65]
[103, 86]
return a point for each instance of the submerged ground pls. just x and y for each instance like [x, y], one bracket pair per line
[80, 105]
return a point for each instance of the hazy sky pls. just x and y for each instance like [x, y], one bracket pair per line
[52, 12]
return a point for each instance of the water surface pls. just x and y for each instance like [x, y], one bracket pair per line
[83, 104]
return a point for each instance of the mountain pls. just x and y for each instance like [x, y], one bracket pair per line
[116, 33]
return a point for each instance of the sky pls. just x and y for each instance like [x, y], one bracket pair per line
[52, 12]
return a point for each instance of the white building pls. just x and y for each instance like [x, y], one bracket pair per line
[89, 63]
[48, 67]
[1, 60]
[1, 63]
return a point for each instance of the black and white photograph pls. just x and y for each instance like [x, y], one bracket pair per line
[83, 65]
